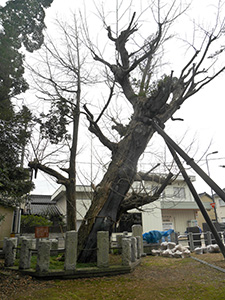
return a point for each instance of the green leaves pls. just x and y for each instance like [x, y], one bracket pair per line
[31, 220]
[54, 128]
[14, 132]
[53, 125]
[25, 19]
[22, 23]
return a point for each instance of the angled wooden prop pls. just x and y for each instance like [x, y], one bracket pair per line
[173, 147]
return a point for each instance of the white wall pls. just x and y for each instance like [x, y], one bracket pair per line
[152, 214]
[179, 218]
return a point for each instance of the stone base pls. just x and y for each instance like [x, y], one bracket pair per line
[149, 247]
[80, 273]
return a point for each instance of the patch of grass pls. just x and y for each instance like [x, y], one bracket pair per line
[165, 262]
[55, 263]
[156, 278]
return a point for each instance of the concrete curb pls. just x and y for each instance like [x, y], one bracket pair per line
[208, 264]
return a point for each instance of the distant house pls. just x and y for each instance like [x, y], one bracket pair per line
[41, 205]
[207, 201]
[220, 208]
[84, 195]
[176, 208]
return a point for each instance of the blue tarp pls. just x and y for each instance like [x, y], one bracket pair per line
[154, 236]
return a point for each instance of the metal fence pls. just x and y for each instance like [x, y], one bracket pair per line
[195, 240]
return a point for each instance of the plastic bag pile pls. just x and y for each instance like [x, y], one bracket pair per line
[154, 236]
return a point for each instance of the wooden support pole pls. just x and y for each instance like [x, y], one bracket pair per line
[198, 200]
[190, 161]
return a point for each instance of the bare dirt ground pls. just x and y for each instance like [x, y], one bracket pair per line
[13, 283]
[162, 278]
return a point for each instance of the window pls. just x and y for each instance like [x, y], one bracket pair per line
[179, 192]
[221, 202]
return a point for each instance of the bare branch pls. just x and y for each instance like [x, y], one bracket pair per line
[152, 49]
[136, 200]
[107, 103]
[38, 166]
[94, 128]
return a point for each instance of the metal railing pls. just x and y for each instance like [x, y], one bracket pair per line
[195, 240]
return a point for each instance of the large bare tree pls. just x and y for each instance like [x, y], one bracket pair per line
[151, 99]
[134, 77]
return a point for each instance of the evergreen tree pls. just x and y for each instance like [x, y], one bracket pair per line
[21, 24]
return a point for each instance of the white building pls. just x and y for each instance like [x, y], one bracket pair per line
[84, 194]
[220, 208]
[176, 208]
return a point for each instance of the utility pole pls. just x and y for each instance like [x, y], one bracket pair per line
[207, 164]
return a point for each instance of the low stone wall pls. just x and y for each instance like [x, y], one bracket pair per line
[55, 229]
[131, 248]
[59, 236]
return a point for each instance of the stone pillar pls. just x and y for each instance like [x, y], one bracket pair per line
[20, 240]
[37, 242]
[25, 254]
[43, 256]
[133, 249]
[209, 237]
[10, 251]
[103, 249]
[54, 246]
[119, 242]
[137, 231]
[126, 252]
[174, 237]
[33, 244]
[191, 240]
[139, 250]
[71, 250]
[4, 244]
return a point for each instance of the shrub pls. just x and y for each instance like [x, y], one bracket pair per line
[31, 220]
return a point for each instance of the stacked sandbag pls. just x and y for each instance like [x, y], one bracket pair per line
[214, 248]
[167, 253]
[156, 252]
[198, 250]
[169, 249]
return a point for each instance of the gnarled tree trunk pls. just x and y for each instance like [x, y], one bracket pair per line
[158, 101]
[110, 193]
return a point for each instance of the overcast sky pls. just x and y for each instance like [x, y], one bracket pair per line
[203, 114]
